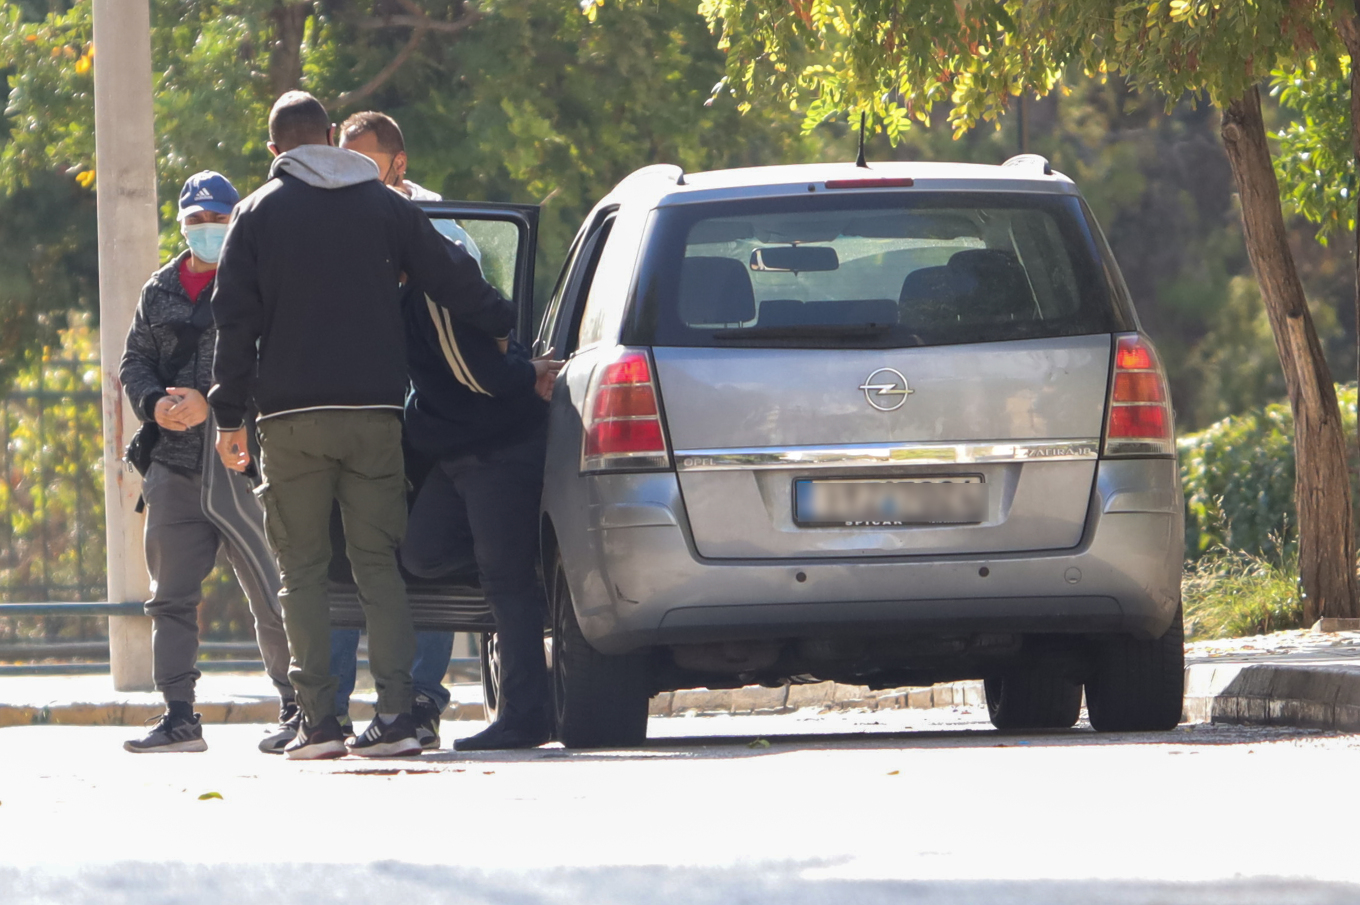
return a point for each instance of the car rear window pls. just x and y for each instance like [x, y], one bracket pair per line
[881, 270]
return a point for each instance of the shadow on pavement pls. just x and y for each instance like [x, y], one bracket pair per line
[781, 883]
[737, 745]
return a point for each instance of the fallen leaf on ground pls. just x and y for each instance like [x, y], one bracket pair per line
[207, 795]
[758, 743]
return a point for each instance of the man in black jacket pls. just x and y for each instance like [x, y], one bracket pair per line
[309, 323]
[478, 409]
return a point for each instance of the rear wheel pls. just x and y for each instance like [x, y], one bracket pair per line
[1035, 699]
[600, 701]
[488, 653]
[1138, 685]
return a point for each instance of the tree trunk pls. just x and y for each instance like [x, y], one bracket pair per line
[1322, 485]
[1349, 28]
[285, 57]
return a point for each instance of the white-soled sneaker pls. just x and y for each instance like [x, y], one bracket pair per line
[320, 742]
[290, 718]
[170, 734]
[394, 739]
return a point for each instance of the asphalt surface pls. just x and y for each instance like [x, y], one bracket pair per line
[893, 806]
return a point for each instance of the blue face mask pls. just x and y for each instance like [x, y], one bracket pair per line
[205, 240]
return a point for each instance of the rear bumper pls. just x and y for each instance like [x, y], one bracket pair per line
[637, 580]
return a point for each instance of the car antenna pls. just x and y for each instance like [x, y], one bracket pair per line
[859, 161]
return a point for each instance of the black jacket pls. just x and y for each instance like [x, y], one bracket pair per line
[159, 326]
[310, 271]
[467, 397]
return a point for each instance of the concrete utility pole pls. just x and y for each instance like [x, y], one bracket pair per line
[125, 159]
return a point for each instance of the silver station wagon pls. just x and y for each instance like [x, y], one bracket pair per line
[887, 426]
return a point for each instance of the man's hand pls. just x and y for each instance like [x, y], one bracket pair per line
[545, 371]
[192, 408]
[232, 449]
[166, 416]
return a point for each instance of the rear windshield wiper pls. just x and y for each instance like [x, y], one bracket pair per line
[806, 331]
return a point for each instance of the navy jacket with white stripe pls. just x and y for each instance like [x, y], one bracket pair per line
[467, 397]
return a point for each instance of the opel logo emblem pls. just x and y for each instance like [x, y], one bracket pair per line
[886, 389]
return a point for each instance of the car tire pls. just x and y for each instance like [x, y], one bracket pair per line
[1034, 699]
[599, 700]
[489, 656]
[1136, 685]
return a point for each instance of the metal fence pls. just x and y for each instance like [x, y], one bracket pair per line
[52, 496]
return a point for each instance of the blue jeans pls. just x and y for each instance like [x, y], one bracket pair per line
[433, 650]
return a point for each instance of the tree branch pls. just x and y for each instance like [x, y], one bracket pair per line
[373, 84]
[417, 18]
[420, 23]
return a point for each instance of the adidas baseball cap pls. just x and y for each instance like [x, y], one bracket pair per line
[207, 191]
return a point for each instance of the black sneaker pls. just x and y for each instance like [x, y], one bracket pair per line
[504, 735]
[171, 733]
[394, 739]
[425, 714]
[320, 742]
[290, 717]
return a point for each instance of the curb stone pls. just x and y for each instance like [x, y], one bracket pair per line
[1312, 696]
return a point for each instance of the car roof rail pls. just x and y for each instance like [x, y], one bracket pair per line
[667, 171]
[1031, 160]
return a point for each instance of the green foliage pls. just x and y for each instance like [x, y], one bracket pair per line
[52, 494]
[1238, 476]
[1316, 160]
[898, 59]
[1229, 594]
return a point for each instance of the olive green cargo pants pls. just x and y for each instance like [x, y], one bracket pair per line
[308, 460]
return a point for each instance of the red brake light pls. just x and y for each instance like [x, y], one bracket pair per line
[900, 183]
[623, 428]
[1139, 422]
[623, 437]
[632, 368]
[1132, 355]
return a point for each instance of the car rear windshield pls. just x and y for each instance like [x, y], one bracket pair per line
[880, 270]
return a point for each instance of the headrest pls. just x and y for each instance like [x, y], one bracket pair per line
[781, 313]
[715, 291]
[934, 284]
[1002, 289]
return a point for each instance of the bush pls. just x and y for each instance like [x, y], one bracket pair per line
[1229, 593]
[1238, 476]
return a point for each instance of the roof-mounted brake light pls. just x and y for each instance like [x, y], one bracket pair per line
[876, 183]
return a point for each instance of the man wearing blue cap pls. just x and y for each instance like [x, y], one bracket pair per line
[193, 502]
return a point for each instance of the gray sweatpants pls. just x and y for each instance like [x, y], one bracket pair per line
[181, 548]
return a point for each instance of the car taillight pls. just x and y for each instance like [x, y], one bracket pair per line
[623, 418]
[1140, 422]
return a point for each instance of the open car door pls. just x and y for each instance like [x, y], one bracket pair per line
[504, 238]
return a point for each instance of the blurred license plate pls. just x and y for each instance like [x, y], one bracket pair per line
[890, 502]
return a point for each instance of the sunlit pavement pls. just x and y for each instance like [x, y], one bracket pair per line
[919, 806]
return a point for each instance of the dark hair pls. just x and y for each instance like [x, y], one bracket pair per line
[298, 119]
[383, 127]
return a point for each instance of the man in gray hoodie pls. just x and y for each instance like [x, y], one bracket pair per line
[309, 324]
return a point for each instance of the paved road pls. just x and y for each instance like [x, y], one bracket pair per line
[917, 806]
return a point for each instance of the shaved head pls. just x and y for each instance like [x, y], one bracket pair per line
[298, 119]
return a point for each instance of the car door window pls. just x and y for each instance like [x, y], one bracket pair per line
[503, 238]
[567, 335]
[580, 333]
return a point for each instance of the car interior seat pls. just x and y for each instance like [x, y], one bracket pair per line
[715, 291]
